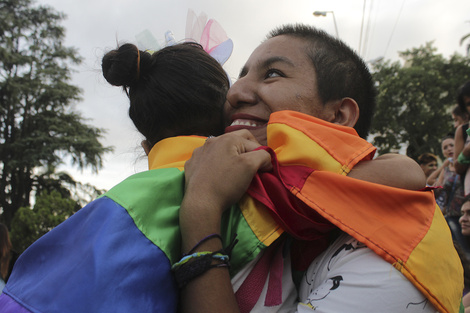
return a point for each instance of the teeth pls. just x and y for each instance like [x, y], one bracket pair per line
[243, 123]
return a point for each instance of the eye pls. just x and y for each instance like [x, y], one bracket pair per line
[272, 73]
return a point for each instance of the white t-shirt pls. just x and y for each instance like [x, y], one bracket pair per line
[349, 277]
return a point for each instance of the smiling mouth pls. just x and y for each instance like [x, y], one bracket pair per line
[249, 123]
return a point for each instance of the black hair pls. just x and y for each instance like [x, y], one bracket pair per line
[340, 71]
[178, 90]
[457, 111]
[463, 91]
[426, 158]
[448, 136]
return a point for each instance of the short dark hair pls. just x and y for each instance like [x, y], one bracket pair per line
[457, 111]
[426, 158]
[466, 199]
[178, 90]
[448, 136]
[463, 91]
[340, 71]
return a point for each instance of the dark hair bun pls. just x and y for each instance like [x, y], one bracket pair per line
[122, 67]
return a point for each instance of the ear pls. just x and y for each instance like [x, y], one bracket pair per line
[346, 112]
[146, 145]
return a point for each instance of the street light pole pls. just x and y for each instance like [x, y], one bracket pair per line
[323, 13]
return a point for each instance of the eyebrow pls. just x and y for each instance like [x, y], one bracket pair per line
[267, 63]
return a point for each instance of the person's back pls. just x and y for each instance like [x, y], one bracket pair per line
[115, 254]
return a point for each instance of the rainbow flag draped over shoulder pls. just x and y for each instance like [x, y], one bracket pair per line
[405, 228]
[114, 255]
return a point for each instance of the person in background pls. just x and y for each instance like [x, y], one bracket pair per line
[462, 148]
[450, 197]
[428, 163]
[5, 255]
[460, 118]
[465, 256]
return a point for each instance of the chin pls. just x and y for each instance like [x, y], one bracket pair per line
[260, 134]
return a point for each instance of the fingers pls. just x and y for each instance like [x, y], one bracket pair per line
[223, 168]
[248, 141]
[261, 160]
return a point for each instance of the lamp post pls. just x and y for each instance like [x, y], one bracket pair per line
[323, 13]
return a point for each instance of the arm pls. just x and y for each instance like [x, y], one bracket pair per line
[459, 145]
[391, 169]
[217, 175]
[436, 178]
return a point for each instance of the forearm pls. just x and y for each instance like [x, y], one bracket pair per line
[212, 291]
[434, 176]
[459, 145]
[440, 180]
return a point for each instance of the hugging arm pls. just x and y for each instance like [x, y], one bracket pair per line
[217, 175]
[394, 170]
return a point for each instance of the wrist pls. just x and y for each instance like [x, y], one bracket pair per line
[198, 220]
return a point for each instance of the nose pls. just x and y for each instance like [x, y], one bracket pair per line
[242, 93]
[462, 218]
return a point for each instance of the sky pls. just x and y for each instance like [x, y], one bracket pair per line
[375, 28]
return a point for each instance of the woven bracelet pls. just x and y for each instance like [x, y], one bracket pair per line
[186, 271]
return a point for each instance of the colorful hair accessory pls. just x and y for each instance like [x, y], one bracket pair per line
[169, 38]
[146, 41]
[208, 33]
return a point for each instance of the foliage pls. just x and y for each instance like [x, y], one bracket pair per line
[38, 128]
[415, 100]
[28, 225]
[463, 39]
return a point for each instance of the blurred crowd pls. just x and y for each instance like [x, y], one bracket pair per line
[451, 177]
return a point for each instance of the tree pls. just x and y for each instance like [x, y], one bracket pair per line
[415, 100]
[38, 128]
[463, 39]
[49, 210]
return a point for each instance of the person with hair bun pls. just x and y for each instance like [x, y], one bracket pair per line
[116, 253]
[177, 91]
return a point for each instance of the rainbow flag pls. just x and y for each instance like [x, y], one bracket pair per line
[114, 255]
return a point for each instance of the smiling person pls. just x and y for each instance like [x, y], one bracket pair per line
[322, 81]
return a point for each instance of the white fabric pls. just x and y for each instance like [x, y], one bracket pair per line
[349, 277]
